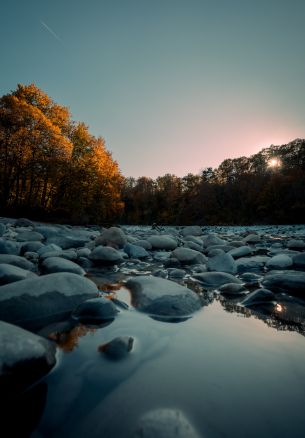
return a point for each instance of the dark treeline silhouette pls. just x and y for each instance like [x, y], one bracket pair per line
[268, 187]
[52, 168]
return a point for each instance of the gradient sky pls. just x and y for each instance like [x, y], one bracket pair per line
[172, 85]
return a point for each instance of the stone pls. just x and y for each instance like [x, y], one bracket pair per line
[285, 281]
[215, 279]
[160, 297]
[252, 238]
[95, 311]
[255, 263]
[29, 236]
[192, 230]
[34, 303]
[250, 278]
[118, 348]
[280, 261]
[164, 423]
[176, 273]
[144, 244]
[187, 256]
[296, 244]
[59, 264]
[114, 237]
[162, 242]
[48, 248]
[241, 251]
[18, 261]
[23, 222]
[299, 260]
[24, 358]
[232, 289]
[83, 252]
[257, 297]
[193, 245]
[136, 252]
[67, 241]
[222, 263]
[2, 229]
[8, 247]
[31, 247]
[213, 239]
[10, 274]
[103, 255]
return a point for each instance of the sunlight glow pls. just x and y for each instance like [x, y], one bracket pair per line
[274, 163]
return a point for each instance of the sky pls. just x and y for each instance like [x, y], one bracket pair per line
[173, 86]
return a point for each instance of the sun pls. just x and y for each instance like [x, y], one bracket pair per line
[274, 163]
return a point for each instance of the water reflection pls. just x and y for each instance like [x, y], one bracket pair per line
[68, 340]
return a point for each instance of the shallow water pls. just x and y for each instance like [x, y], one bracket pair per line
[232, 376]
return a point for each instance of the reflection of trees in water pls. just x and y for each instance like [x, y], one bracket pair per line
[283, 316]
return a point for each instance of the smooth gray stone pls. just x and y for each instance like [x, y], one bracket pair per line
[158, 296]
[31, 247]
[257, 297]
[34, 303]
[9, 247]
[135, 251]
[285, 281]
[255, 263]
[296, 244]
[215, 251]
[10, 274]
[48, 248]
[250, 278]
[280, 261]
[187, 256]
[95, 310]
[232, 289]
[24, 358]
[194, 239]
[29, 236]
[68, 241]
[102, 255]
[2, 229]
[118, 348]
[241, 251]
[222, 263]
[252, 238]
[18, 261]
[114, 237]
[83, 252]
[299, 260]
[23, 222]
[213, 239]
[176, 273]
[58, 264]
[215, 279]
[162, 242]
[193, 245]
[192, 230]
[164, 423]
[144, 244]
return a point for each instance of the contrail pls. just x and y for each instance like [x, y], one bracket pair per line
[51, 31]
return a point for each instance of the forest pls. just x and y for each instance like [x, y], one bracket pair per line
[52, 168]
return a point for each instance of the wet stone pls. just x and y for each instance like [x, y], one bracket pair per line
[118, 348]
[95, 311]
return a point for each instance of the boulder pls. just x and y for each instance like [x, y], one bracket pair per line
[296, 244]
[24, 358]
[252, 238]
[280, 261]
[215, 279]
[29, 236]
[213, 239]
[8, 247]
[2, 229]
[232, 289]
[118, 348]
[164, 423]
[14, 260]
[222, 263]
[23, 222]
[160, 297]
[285, 281]
[68, 241]
[95, 311]
[299, 260]
[136, 252]
[144, 244]
[114, 237]
[59, 264]
[193, 230]
[34, 303]
[162, 242]
[31, 247]
[10, 274]
[187, 256]
[257, 297]
[241, 251]
[255, 263]
[103, 255]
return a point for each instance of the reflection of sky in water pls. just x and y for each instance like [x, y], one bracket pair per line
[231, 375]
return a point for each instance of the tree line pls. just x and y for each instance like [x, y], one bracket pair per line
[268, 187]
[51, 167]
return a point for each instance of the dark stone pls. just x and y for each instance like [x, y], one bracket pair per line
[118, 348]
[95, 311]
